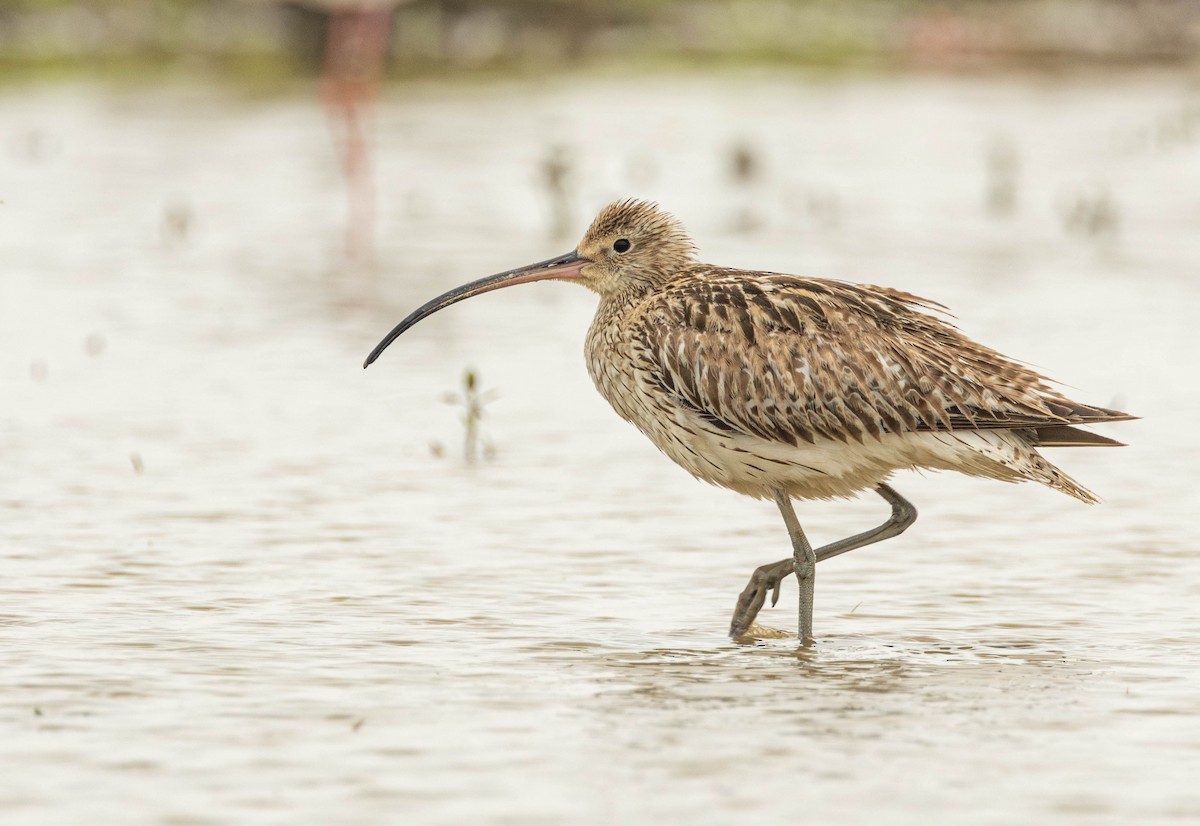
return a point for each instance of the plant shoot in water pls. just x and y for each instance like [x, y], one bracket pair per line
[473, 400]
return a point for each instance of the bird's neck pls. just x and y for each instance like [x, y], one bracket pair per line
[631, 288]
[618, 302]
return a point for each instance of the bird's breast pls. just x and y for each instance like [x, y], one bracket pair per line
[614, 369]
[701, 445]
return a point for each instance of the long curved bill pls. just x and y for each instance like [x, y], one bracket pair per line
[563, 267]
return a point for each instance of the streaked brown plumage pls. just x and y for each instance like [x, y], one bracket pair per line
[783, 387]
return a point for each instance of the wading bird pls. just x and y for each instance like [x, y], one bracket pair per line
[782, 387]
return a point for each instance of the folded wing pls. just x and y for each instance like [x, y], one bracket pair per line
[794, 359]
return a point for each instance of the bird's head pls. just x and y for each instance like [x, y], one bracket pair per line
[630, 247]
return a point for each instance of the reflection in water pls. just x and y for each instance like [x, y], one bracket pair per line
[239, 586]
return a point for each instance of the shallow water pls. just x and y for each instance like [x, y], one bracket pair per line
[244, 581]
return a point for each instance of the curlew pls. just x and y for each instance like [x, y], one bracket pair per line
[782, 387]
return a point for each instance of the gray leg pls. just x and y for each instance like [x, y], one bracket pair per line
[770, 577]
[805, 563]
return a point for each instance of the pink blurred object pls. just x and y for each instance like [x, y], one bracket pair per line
[356, 46]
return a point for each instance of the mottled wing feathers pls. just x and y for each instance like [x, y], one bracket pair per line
[795, 359]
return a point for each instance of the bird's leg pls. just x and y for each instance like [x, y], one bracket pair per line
[805, 561]
[770, 577]
[903, 515]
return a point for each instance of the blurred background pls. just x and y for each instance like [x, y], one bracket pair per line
[241, 580]
[346, 52]
[262, 40]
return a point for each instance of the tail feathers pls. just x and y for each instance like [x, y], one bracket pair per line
[1066, 436]
[1077, 413]
[1007, 455]
[1042, 471]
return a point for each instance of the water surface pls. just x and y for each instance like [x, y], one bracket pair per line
[244, 581]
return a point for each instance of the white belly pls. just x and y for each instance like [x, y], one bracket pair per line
[830, 468]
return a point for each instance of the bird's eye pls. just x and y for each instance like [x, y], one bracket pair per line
[622, 245]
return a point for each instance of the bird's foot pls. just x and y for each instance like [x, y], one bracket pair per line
[758, 632]
[750, 601]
